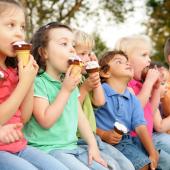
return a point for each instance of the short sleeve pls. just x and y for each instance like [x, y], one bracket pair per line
[40, 89]
[138, 114]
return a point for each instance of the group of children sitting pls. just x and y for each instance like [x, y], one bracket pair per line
[116, 118]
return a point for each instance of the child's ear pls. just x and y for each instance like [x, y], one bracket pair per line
[42, 52]
[104, 75]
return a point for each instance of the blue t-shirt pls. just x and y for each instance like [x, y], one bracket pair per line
[123, 108]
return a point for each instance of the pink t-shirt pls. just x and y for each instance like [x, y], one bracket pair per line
[148, 112]
[7, 85]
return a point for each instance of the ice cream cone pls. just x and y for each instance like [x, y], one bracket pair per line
[22, 50]
[120, 128]
[76, 64]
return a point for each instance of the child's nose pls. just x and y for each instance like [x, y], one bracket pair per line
[19, 34]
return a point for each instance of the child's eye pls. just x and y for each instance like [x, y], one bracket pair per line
[64, 44]
[11, 25]
[23, 27]
[118, 62]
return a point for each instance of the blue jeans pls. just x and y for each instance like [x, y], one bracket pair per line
[162, 143]
[136, 154]
[76, 159]
[115, 159]
[29, 159]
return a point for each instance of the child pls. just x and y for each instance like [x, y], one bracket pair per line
[123, 107]
[91, 93]
[16, 96]
[166, 98]
[138, 49]
[57, 111]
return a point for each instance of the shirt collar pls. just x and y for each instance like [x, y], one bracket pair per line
[48, 77]
[111, 92]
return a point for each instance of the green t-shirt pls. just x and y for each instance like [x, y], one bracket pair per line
[62, 135]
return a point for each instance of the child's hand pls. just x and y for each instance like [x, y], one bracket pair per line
[153, 76]
[70, 82]
[10, 133]
[111, 137]
[95, 155]
[28, 72]
[154, 160]
[92, 82]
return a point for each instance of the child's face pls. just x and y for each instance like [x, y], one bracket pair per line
[84, 53]
[12, 29]
[139, 59]
[120, 67]
[59, 49]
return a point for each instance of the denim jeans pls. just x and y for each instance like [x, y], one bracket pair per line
[115, 159]
[29, 158]
[76, 159]
[162, 143]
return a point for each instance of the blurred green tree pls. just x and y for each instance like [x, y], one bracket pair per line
[42, 11]
[158, 26]
[100, 45]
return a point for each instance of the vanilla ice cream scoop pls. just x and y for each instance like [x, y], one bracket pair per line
[120, 128]
[92, 66]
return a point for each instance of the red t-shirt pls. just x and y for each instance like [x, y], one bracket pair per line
[7, 85]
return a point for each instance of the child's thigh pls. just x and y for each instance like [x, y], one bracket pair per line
[69, 159]
[40, 159]
[117, 156]
[162, 141]
[136, 155]
[164, 159]
[14, 162]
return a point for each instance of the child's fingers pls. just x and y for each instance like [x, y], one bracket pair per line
[18, 126]
[10, 138]
[15, 135]
[101, 161]
[69, 71]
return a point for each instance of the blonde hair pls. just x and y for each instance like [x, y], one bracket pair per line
[128, 44]
[83, 39]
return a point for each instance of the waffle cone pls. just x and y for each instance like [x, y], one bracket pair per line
[76, 70]
[23, 56]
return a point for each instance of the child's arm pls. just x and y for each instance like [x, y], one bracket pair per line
[148, 144]
[92, 83]
[98, 98]
[148, 85]
[27, 105]
[10, 106]
[161, 125]
[87, 134]
[46, 113]
[10, 133]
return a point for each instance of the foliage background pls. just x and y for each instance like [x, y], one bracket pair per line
[40, 12]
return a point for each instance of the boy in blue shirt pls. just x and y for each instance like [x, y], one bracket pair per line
[123, 107]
